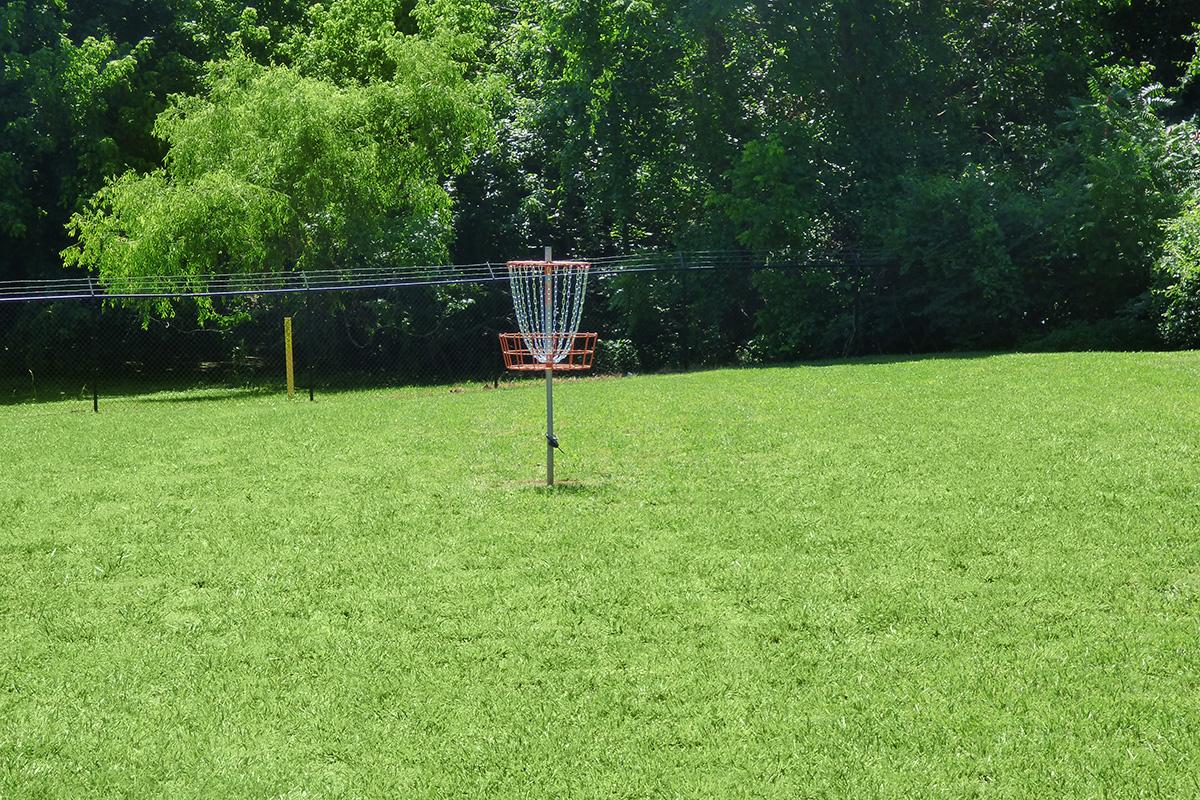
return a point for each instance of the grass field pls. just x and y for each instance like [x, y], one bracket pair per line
[960, 577]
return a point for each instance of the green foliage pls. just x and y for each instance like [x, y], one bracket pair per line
[775, 196]
[957, 281]
[802, 315]
[140, 226]
[1129, 330]
[616, 356]
[273, 170]
[54, 96]
[465, 29]
[1120, 174]
[351, 41]
[1016, 161]
[1178, 280]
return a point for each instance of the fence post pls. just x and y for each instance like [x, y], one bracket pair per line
[289, 362]
[309, 338]
[96, 303]
[856, 309]
[686, 338]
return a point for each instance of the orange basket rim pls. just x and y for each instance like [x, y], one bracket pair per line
[520, 358]
[552, 264]
[556, 334]
[560, 367]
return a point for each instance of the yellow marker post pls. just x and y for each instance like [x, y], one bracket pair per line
[287, 350]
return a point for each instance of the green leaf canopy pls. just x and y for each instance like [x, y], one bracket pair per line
[273, 170]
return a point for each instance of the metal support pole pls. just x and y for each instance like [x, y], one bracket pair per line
[550, 441]
[547, 324]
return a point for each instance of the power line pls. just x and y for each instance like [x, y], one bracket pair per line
[159, 287]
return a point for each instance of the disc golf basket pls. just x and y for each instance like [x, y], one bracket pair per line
[548, 301]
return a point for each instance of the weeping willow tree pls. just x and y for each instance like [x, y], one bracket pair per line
[302, 167]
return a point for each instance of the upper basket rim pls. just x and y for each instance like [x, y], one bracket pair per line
[552, 264]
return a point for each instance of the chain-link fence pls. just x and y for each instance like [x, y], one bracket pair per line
[81, 355]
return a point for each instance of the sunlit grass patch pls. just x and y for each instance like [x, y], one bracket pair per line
[934, 577]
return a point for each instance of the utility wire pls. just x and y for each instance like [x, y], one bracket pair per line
[157, 287]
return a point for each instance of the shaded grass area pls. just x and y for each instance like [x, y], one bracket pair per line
[49, 395]
[78, 392]
[943, 577]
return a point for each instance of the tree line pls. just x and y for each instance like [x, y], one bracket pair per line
[1030, 170]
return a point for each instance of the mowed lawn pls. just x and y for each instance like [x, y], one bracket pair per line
[943, 577]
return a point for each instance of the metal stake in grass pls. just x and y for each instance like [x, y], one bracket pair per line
[548, 300]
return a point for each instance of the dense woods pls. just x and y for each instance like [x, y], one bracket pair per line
[1031, 171]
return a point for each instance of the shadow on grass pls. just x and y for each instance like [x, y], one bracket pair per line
[15, 393]
[887, 360]
[860, 360]
[204, 395]
[179, 390]
[567, 487]
[165, 391]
